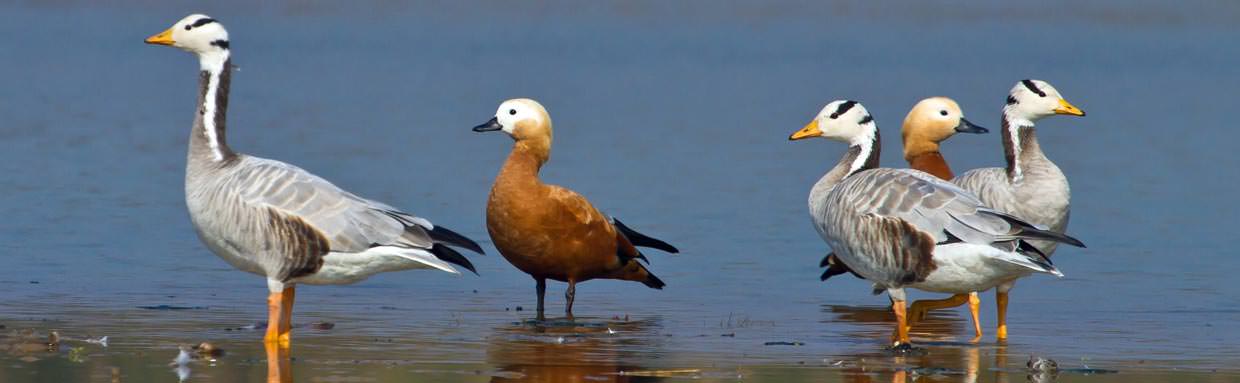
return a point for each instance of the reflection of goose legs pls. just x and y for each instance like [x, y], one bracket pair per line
[278, 364]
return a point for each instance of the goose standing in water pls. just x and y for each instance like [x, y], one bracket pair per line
[903, 228]
[930, 122]
[1031, 186]
[279, 221]
[548, 231]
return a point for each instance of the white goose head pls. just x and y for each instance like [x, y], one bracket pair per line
[841, 120]
[1031, 100]
[198, 34]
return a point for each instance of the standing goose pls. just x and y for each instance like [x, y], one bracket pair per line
[930, 122]
[1031, 186]
[548, 231]
[279, 221]
[905, 228]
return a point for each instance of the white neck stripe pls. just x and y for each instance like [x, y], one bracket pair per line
[1013, 125]
[213, 63]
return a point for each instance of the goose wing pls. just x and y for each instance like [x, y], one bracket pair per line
[890, 220]
[347, 222]
[940, 209]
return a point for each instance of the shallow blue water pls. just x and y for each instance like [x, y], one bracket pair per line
[673, 117]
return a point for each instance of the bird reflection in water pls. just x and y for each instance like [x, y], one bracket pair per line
[577, 351]
[278, 370]
[941, 357]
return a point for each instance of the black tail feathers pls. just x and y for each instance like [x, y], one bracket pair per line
[442, 234]
[447, 254]
[639, 239]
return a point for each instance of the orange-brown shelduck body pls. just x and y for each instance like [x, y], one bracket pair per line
[551, 232]
[548, 231]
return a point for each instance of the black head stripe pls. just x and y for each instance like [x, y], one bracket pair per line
[843, 108]
[202, 21]
[220, 43]
[866, 119]
[1032, 87]
[1011, 100]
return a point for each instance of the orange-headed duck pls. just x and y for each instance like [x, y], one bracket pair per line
[548, 231]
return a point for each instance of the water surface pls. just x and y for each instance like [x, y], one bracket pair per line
[673, 117]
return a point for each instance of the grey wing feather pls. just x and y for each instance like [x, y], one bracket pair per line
[928, 203]
[350, 223]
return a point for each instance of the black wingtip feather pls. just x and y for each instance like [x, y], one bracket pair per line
[1028, 231]
[441, 234]
[447, 254]
[1038, 257]
[639, 239]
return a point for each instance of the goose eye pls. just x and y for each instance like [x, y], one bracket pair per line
[512, 112]
[943, 112]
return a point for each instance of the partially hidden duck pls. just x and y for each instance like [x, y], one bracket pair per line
[548, 231]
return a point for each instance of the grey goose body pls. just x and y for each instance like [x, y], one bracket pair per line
[1030, 186]
[276, 220]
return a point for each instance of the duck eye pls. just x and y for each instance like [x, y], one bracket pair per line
[512, 112]
[943, 112]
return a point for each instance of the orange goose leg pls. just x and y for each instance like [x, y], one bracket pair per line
[279, 310]
[901, 335]
[918, 311]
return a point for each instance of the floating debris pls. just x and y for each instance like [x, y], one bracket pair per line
[207, 350]
[906, 349]
[183, 357]
[728, 335]
[322, 325]
[781, 343]
[77, 354]
[670, 373]
[102, 341]
[1040, 364]
[934, 371]
[170, 307]
[251, 327]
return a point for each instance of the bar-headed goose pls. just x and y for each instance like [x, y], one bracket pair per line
[1031, 186]
[548, 231]
[279, 221]
[905, 228]
[929, 123]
